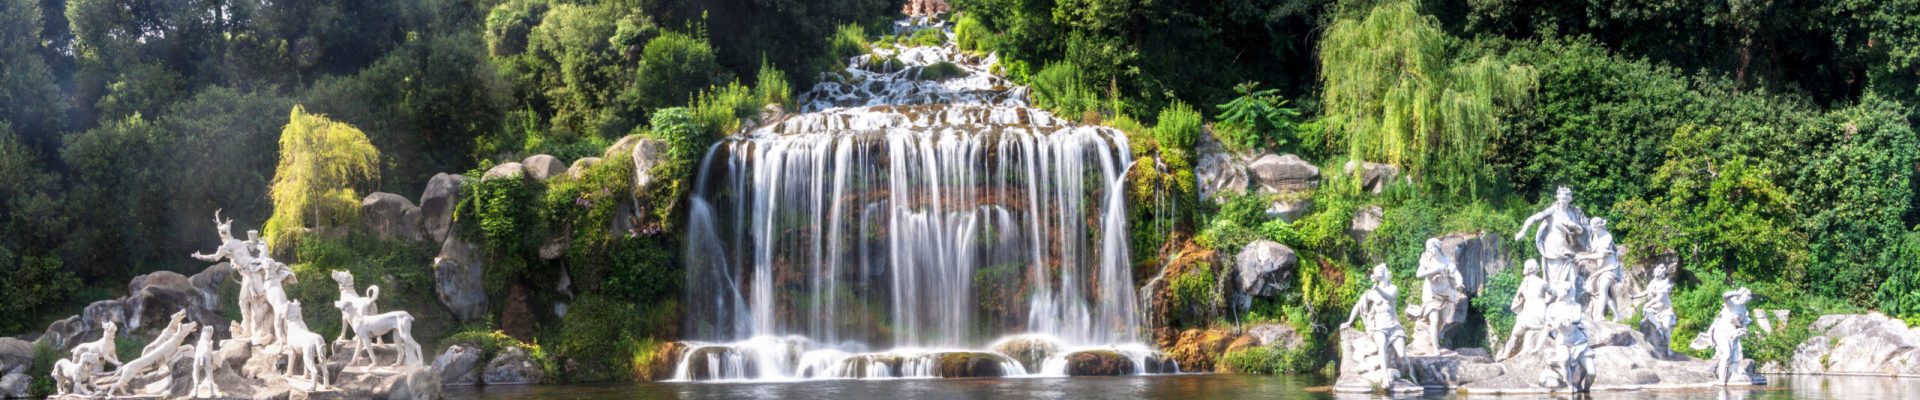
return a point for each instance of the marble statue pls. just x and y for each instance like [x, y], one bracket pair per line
[239, 254]
[1441, 298]
[304, 347]
[160, 356]
[351, 303]
[173, 328]
[1656, 313]
[1571, 364]
[1376, 309]
[1530, 313]
[1562, 226]
[1602, 282]
[75, 376]
[205, 362]
[399, 323]
[103, 347]
[1725, 334]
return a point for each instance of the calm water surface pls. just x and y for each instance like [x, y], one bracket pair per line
[1136, 387]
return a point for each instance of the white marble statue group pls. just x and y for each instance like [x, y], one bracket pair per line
[1566, 292]
[269, 320]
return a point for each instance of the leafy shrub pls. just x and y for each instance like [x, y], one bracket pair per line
[925, 37]
[675, 66]
[1900, 295]
[1269, 359]
[719, 110]
[1495, 297]
[941, 71]
[848, 40]
[600, 338]
[489, 342]
[44, 355]
[1195, 289]
[1255, 119]
[770, 86]
[40, 282]
[971, 35]
[509, 226]
[1063, 89]
[686, 142]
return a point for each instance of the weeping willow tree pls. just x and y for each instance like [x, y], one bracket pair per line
[1400, 99]
[320, 162]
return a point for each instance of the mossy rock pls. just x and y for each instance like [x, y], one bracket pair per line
[970, 365]
[1099, 363]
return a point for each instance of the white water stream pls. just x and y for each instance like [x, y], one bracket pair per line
[937, 219]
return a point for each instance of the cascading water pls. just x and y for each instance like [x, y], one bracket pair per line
[925, 216]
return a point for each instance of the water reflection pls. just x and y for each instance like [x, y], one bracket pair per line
[1235, 387]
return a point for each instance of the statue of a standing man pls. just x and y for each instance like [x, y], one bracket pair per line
[1376, 306]
[1725, 334]
[1558, 239]
[1444, 292]
[239, 255]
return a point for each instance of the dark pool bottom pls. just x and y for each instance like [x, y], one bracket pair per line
[1235, 387]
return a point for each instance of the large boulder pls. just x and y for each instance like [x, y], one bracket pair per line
[1265, 268]
[458, 279]
[510, 170]
[1099, 363]
[1198, 350]
[1365, 221]
[541, 167]
[458, 365]
[155, 297]
[646, 153]
[1284, 173]
[1374, 177]
[437, 205]
[62, 335]
[1030, 350]
[1478, 256]
[14, 385]
[580, 167]
[970, 364]
[513, 366]
[15, 355]
[206, 286]
[1218, 175]
[1871, 344]
[1290, 209]
[390, 217]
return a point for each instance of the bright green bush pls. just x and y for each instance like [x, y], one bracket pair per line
[925, 37]
[971, 35]
[674, 68]
[719, 109]
[1257, 119]
[770, 86]
[941, 71]
[1496, 296]
[1064, 90]
[601, 337]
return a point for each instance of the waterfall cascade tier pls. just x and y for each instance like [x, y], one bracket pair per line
[929, 217]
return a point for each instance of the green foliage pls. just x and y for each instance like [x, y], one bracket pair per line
[1495, 298]
[489, 342]
[40, 281]
[112, 184]
[1257, 119]
[1064, 90]
[1862, 181]
[1196, 289]
[1723, 214]
[719, 109]
[848, 41]
[44, 355]
[427, 99]
[941, 71]
[1271, 359]
[1400, 99]
[313, 186]
[600, 338]
[971, 35]
[675, 67]
[1900, 294]
[686, 143]
[770, 86]
[925, 38]
[509, 226]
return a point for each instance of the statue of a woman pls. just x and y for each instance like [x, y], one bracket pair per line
[1376, 309]
[1601, 283]
[1656, 313]
[1444, 292]
[1558, 238]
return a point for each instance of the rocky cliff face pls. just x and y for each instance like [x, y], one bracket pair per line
[1866, 344]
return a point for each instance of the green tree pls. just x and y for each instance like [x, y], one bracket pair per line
[1716, 211]
[1862, 180]
[118, 198]
[675, 67]
[320, 163]
[1399, 98]
[221, 158]
[29, 98]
